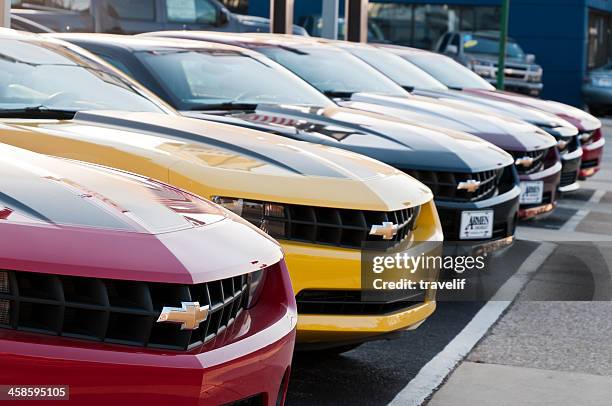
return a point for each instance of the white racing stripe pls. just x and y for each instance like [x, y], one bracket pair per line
[431, 376]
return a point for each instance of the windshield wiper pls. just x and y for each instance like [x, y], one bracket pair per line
[38, 112]
[339, 94]
[224, 106]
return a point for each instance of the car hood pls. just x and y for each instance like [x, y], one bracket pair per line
[506, 133]
[579, 118]
[547, 121]
[227, 160]
[396, 142]
[82, 219]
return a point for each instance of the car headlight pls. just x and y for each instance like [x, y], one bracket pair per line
[256, 281]
[269, 217]
[483, 68]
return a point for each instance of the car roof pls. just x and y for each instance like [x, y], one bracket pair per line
[247, 40]
[142, 43]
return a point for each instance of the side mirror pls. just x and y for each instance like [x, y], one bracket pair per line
[451, 49]
[530, 58]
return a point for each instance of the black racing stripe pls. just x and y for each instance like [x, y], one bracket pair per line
[300, 164]
[50, 201]
[22, 208]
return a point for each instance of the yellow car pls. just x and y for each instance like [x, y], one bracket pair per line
[321, 202]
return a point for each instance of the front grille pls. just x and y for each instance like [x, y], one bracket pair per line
[537, 164]
[591, 163]
[350, 302]
[338, 227]
[451, 222]
[571, 146]
[115, 311]
[568, 178]
[444, 185]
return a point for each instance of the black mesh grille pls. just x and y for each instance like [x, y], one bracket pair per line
[350, 302]
[339, 227]
[571, 146]
[567, 178]
[537, 164]
[591, 163]
[450, 185]
[115, 311]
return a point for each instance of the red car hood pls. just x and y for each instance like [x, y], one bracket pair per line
[65, 217]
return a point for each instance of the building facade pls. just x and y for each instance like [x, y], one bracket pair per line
[568, 37]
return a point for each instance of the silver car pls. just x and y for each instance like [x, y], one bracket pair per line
[597, 90]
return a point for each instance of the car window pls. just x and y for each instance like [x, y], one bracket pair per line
[196, 78]
[449, 72]
[143, 10]
[191, 11]
[25, 69]
[485, 45]
[71, 5]
[399, 70]
[116, 63]
[333, 70]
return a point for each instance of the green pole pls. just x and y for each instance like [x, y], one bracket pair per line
[503, 41]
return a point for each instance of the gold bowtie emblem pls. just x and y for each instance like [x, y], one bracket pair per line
[525, 161]
[189, 316]
[470, 185]
[387, 230]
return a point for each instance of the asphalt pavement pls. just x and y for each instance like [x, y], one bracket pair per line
[552, 345]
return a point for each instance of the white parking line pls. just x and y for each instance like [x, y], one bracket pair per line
[573, 222]
[431, 376]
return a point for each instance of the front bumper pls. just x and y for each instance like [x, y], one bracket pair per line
[250, 359]
[594, 95]
[504, 206]
[591, 158]
[570, 171]
[103, 375]
[328, 268]
[551, 177]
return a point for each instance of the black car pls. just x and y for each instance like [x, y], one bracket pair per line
[420, 83]
[471, 179]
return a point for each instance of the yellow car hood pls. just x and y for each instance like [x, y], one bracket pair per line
[216, 159]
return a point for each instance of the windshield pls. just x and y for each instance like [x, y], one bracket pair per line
[398, 69]
[200, 77]
[449, 72]
[332, 70]
[35, 74]
[484, 45]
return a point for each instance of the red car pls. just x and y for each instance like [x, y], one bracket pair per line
[115, 289]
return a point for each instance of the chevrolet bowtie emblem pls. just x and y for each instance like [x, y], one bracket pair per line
[189, 316]
[387, 230]
[470, 185]
[561, 144]
[525, 161]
